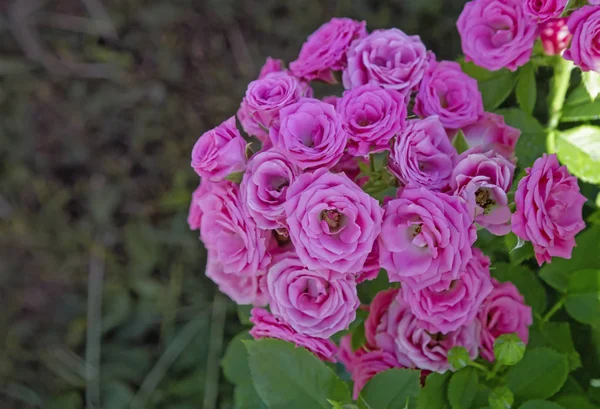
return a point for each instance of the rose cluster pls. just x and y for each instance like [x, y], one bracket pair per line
[342, 188]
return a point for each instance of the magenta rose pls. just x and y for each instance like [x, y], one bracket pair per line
[402, 334]
[426, 239]
[543, 10]
[271, 65]
[367, 366]
[310, 134]
[371, 116]
[346, 355]
[195, 212]
[491, 132]
[451, 94]
[267, 326]
[496, 34]
[332, 222]
[503, 312]
[389, 58]
[549, 208]
[264, 187]
[325, 50]
[370, 270]
[316, 303]
[555, 36]
[228, 231]
[483, 180]
[350, 165]
[584, 51]
[422, 154]
[447, 310]
[219, 152]
[242, 289]
[377, 310]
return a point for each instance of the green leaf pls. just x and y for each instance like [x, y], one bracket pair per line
[501, 398]
[526, 282]
[583, 296]
[458, 357]
[235, 361]
[556, 335]
[243, 312]
[116, 395]
[462, 388]
[495, 86]
[575, 402]
[246, 397]
[572, 5]
[532, 142]
[518, 249]
[579, 149]
[287, 377]
[577, 97]
[368, 289]
[509, 349]
[587, 111]
[358, 338]
[392, 389]
[591, 82]
[539, 375]
[433, 395]
[526, 90]
[68, 400]
[585, 255]
[235, 177]
[540, 404]
[460, 142]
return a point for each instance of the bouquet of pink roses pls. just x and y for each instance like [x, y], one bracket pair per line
[358, 225]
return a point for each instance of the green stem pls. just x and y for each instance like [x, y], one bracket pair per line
[372, 162]
[479, 366]
[558, 89]
[495, 370]
[554, 308]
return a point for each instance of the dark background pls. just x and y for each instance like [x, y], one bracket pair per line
[100, 105]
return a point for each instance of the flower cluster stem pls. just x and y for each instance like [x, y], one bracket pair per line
[554, 309]
[558, 89]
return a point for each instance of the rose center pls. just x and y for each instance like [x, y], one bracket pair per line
[333, 218]
[436, 339]
[483, 200]
[282, 237]
[279, 183]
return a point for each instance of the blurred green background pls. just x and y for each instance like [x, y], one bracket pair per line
[102, 294]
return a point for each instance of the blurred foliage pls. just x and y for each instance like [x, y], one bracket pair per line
[98, 115]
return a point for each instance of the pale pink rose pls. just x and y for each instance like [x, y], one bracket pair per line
[543, 10]
[549, 208]
[491, 132]
[584, 51]
[325, 50]
[267, 326]
[555, 36]
[219, 152]
[195, 213]
[368, 365]
[503, 312]
[378, 308]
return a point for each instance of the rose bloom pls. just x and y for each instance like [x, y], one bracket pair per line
[389, 58]
[584, 51]
[195, 212]
[426, 239]
[377, 310]
[267, 326]
[271, 65]
[219, 152]
[346, 355]
[447, 310]
[549, 208]
[242, 289]
[264, 187]
[483, 180]
[349, 165]
[503, 312]
[555, 36]
[496, 34]
[227, 230]
[370, 270]
[491, 132]
[368, 365]
[317, 303]
[310, 134]
[422, 154]
[402, 334]
[543, 10]
[371, 116]
[332, 222]
[451, 94]
[325, 50]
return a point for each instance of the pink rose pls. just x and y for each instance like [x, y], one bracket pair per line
[422, 154]
[584, 24]
[325, 50]
[316, 303]
[491, 132]
[242, 289]
[447, 310]
[368, 365]
[377, 310]
[549, 208]
[426, 239]
[346, 355]
[195, 213]
[370, 270]
[332, 222]
[543, 10]
[349, 165]
[388, 58]
[267, 326]
[371, 116]
[402, 334]
[219, 152]
[451, 94]
[555, 36]
[483, 180]
[271, 65]
[264, 187]
[229, 232]
[331, 99]
[503, 312]
[496, 34]
[310, 134]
